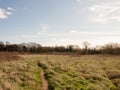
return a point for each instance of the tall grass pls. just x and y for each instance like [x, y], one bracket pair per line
[20, 74]
[87, 72]
[82, 73]
[8, 56]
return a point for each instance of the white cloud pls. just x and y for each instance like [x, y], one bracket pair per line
[73, 38]
[9, 13]
[73, 31]
[108, 11]
[63, 42]
[10, 9]
[4, 13]
[78, 0]
[100, 33]
[43, 29]
[30, 36]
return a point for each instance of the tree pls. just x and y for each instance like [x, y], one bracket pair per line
[70, 48]
[86, 45]
[2, 46]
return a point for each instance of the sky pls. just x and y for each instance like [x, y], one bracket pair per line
[60, 22]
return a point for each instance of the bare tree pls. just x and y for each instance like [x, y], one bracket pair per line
[86, 45]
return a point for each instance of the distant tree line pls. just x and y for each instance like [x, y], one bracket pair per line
[111, 48]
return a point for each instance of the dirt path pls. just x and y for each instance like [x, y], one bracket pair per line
[44, 82]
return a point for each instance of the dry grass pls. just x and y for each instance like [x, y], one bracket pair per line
[8, 56]
[87, 72]
[20, 74]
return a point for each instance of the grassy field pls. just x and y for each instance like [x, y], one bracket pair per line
[19, 73]
[87, 72]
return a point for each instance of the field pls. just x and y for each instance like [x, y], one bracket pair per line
[62, 72]
[19, 73]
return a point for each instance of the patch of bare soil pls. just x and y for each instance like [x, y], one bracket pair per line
[44, 82]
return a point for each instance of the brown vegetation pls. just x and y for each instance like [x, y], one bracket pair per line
[63, 72]
[88, 72]
[8, 56]
[19, 74]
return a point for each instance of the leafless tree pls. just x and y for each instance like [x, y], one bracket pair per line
[86, 45]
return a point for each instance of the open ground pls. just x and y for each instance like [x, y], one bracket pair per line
[59, 72]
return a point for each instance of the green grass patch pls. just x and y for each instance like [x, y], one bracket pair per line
[87, 72]
[20, 75]
[81, 73]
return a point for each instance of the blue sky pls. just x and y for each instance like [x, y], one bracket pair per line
[60, 22]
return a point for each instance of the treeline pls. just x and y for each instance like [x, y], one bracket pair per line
[111, 48]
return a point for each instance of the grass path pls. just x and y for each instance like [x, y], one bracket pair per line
[57, 72]
[90, 72]
[44, 82]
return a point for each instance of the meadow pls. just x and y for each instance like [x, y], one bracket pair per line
[19, 73]
[62, 72]
[89, 72]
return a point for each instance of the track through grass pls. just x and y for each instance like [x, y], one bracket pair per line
[87, 72]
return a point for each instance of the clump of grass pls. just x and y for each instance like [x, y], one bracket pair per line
[42, 65]
[112, 68]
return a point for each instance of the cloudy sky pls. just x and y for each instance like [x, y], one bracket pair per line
[60, 22]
